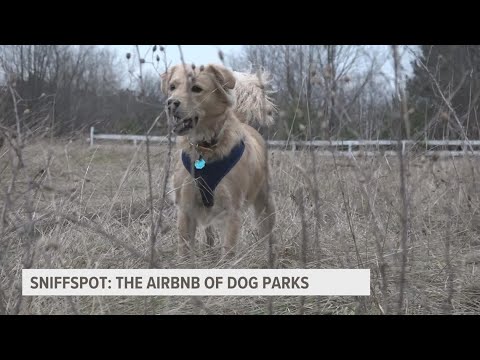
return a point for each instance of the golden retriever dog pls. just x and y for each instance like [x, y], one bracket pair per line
[221, 166]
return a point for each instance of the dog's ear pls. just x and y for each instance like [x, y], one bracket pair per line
[165, 79]
[224, 76]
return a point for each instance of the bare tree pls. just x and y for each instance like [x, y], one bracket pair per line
[328, 81]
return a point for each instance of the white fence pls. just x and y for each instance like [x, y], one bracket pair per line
[340, 147]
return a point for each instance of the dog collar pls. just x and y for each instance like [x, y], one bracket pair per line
[204, 146]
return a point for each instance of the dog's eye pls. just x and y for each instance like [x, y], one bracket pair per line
[196, 89]
[172, 87]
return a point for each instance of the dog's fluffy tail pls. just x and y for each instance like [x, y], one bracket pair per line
[253, 104]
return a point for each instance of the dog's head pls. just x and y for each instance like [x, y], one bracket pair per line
[197, 95]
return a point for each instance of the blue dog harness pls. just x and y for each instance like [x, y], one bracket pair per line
[209, 174]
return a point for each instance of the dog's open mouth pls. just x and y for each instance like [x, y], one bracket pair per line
[183, 125]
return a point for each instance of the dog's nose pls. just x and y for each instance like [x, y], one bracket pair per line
[173, 103]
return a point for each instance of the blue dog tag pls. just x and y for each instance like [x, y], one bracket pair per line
[199, 164]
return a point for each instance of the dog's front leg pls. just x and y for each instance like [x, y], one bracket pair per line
[210, 236]
[232, 231]
[187, 226]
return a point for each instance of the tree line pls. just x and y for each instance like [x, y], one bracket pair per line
[347, 91]
[66, 89]
[322, 91]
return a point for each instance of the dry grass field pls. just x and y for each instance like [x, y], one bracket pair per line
[72, 206]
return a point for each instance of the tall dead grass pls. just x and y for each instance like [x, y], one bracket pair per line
[90, 209]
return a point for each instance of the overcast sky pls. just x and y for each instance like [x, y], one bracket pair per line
[197, 54]
[204, 54]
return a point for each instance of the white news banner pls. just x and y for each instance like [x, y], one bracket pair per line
[195, 282]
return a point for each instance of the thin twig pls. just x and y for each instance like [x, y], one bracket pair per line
[403, 186]
[304, 240]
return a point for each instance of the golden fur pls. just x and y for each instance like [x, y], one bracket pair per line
[212, 105]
